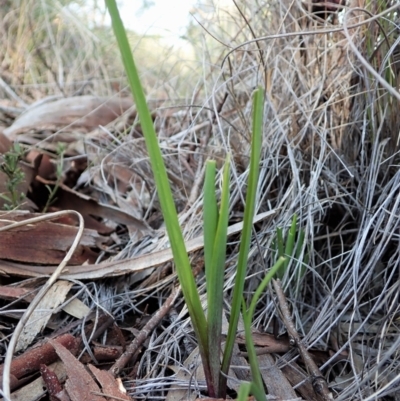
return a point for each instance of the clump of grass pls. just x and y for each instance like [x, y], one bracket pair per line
[208, 328]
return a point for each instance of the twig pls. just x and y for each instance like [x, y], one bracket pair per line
[144, 333]
[318, 382]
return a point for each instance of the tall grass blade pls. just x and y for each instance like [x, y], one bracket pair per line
[215, 282]
[290, 241]
[181, 259]
[260, 289]
[210, 219]
[257, 383]
[251, 351]
[256, 144]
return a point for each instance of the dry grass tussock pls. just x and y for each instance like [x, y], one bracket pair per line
[330, 155]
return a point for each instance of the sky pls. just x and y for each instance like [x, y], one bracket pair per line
[167, 18]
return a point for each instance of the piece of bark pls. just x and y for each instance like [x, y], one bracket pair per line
[30, 361]
[107, 353]
[34, 390]
[80, 384]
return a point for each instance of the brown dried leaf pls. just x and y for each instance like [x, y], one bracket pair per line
[275, 381]
[116, 268]
[267, 341]
[89, 207]
[80, 112]
[45, 242]
[11, 293]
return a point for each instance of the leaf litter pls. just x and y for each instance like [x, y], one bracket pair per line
[330, 155]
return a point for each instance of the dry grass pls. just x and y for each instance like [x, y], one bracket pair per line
[330, 155]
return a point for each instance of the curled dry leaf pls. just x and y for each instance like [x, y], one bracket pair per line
[67, 198]
[81, 112]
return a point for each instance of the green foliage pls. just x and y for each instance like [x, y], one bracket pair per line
[178, 248]
[15, 176]
[291, 249]
[207, 329]
[215, 256]
[258, 107]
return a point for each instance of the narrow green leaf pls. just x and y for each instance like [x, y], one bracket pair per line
[244, 391]
[258, 393]
[178, 248]
[215, 282]
[260, 289]
[257, 383]
[210, 219]
[251, 351]
[256, 145]
[290, 241]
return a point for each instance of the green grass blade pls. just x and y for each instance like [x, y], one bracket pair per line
[251, 351]
[260, 289]
[244, 391]
[178, 248]
[258, 393]
[290, 242]
[258, 107]
[210, 219]
[247, 388]
[257, 383]
[280, 250]
[215, 282]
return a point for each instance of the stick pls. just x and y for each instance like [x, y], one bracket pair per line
[123, 360]
[318, 382]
